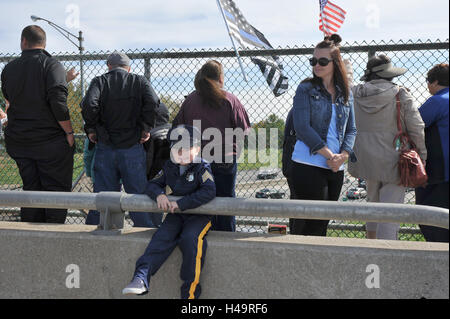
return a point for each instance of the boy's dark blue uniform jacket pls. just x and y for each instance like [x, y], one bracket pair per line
[196, 185]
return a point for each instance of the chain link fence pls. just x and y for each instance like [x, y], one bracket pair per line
[171, 74]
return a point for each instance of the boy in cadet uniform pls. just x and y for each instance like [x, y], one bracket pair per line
[190, 177]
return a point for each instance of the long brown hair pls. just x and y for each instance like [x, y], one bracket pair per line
[340, 77]
[207, 83]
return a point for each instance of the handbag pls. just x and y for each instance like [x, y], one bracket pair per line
[411, 168]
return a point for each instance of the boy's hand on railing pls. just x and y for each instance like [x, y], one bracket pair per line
[163, 202]
[173, 207]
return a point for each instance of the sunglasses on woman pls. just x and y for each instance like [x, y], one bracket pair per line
[321, 61]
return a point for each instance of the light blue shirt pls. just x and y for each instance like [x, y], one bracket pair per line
[303, 155]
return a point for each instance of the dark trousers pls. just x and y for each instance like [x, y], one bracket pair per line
[189, 233]
[434, 195]
[313, 183]
[225, 179]
[44, 167]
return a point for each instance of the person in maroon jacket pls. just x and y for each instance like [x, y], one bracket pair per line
[212, 110]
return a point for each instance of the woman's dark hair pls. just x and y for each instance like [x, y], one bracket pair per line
[439, 73]
[340, 72]
[374, 62]
[206, 83]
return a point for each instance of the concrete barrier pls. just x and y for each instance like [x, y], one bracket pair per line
[43, 261]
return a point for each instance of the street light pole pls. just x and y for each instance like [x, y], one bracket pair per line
[80, 39]
[67, 35]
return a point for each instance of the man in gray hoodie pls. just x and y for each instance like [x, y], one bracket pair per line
[376, 122]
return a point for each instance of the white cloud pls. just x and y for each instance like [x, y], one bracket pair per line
[109, 24]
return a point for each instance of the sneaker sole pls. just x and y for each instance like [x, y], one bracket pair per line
[130, 291]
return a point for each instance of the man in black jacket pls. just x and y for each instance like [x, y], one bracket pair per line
[39, 135]
[119, 111]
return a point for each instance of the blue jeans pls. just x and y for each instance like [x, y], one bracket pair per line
[225, 179]
[113, 166]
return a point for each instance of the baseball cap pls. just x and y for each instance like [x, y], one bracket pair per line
[118, 58]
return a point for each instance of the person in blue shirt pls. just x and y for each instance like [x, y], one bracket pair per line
[188, 176]
[435, 116]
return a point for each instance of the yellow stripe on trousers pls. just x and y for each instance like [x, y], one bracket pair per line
[198, 261]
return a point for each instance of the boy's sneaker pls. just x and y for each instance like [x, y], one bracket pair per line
[135, 287]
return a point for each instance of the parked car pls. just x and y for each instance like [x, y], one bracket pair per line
[269, 193]
[356, 193]
[267, 173]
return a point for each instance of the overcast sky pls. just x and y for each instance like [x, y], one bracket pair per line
[152, 24]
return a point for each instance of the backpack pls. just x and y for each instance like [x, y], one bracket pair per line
[158, 147]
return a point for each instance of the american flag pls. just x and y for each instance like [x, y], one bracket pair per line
[248, 36]
[331, 17]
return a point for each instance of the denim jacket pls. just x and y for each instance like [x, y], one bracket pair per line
[312, 115]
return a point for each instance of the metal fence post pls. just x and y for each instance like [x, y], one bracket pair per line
[147, 66]
[112, 216]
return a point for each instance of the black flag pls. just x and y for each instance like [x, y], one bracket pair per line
[248, 36]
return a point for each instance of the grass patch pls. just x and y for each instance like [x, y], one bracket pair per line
[250, 160]
[9, 173]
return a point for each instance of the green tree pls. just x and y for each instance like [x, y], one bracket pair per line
[173, 106]
[272, 121]
[73, 103]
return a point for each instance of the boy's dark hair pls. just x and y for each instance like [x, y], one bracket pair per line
[34, 35]
[439, 73]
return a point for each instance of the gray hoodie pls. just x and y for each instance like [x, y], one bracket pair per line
[376, 123]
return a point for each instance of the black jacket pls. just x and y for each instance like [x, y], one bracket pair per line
[118, 106]
[35, 85]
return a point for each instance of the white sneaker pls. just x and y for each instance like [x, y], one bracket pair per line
[135, 287]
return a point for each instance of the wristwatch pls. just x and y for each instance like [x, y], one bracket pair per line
[69, 133]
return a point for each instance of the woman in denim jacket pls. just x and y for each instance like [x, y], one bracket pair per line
[325, 127]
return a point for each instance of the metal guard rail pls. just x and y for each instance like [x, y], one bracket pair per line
[113, 205]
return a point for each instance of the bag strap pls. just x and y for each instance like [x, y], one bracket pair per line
[399, 121]
[405, 141]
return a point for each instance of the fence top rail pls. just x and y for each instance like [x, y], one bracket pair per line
[200, 53]
[368, 212]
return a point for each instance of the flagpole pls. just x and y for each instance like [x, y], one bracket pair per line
[232, 41]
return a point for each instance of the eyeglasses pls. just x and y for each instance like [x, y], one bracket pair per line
[321, 61]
